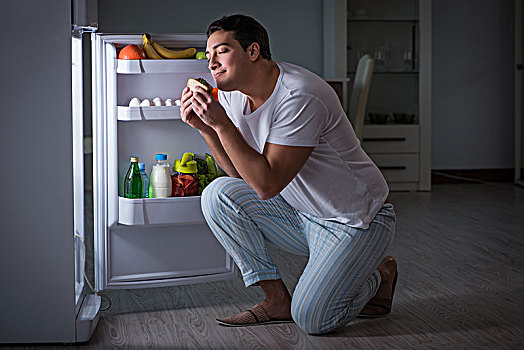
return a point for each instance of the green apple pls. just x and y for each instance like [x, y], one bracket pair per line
[200, 55]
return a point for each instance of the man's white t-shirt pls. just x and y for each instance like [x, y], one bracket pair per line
[339, 181]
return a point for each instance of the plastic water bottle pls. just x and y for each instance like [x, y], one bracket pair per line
[145, 179]
[160, 180]
[133, 181]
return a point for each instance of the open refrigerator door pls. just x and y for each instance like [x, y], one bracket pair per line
[87, 305]
[146, 242]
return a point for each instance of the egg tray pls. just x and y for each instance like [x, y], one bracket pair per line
[126, 113]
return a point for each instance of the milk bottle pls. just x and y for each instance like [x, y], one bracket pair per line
[160, 180]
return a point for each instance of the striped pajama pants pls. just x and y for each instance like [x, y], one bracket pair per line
[341, 274]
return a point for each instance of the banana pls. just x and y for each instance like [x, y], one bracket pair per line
[164, 52]
[149, 49]
[167, 53]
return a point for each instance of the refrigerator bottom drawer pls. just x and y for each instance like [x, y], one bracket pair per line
[147, 256]
[151, 211]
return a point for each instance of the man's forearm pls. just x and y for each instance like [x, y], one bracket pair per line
[252, 166]
[220, 155]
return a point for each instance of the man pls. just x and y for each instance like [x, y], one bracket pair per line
[298, 179]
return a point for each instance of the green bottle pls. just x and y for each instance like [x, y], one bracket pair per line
[133, 181]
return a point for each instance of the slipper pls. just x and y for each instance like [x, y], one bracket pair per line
[254, 317]
[379, 307]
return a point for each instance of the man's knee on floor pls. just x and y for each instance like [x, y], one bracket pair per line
[310, 321]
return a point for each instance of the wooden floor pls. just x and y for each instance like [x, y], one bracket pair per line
[460, 250]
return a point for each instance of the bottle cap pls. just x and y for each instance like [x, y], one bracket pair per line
[161, 156]
[186, 157]
[134, 159]
[141, 166]
[189, 168]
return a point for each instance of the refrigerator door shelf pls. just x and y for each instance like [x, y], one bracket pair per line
[152, 211]
[148, 113]
[162, 66]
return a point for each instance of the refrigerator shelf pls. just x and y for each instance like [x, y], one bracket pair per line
[153, 211]
[161, 66]
[148, 113]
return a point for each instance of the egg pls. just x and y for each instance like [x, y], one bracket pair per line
[157, 101]
[135, 102]
[145, 103]
[169, 102]
[177, 103]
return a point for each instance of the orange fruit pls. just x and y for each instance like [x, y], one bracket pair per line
[132, 52]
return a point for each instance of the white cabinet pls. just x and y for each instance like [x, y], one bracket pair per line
[396, 151]
[397, 133]
[154, 241]
[397, 124]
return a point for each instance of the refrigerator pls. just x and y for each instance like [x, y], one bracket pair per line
[44, 297]
[137, 242]
[147, 242]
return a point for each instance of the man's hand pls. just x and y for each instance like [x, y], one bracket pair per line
[187, 112]
[209, 110]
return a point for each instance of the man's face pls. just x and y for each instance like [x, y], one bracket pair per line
[227, 60]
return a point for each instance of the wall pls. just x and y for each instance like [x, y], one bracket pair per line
[472, 108]
[294, 26]
[472, 100]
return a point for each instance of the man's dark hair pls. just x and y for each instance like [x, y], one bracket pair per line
[246, 30]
